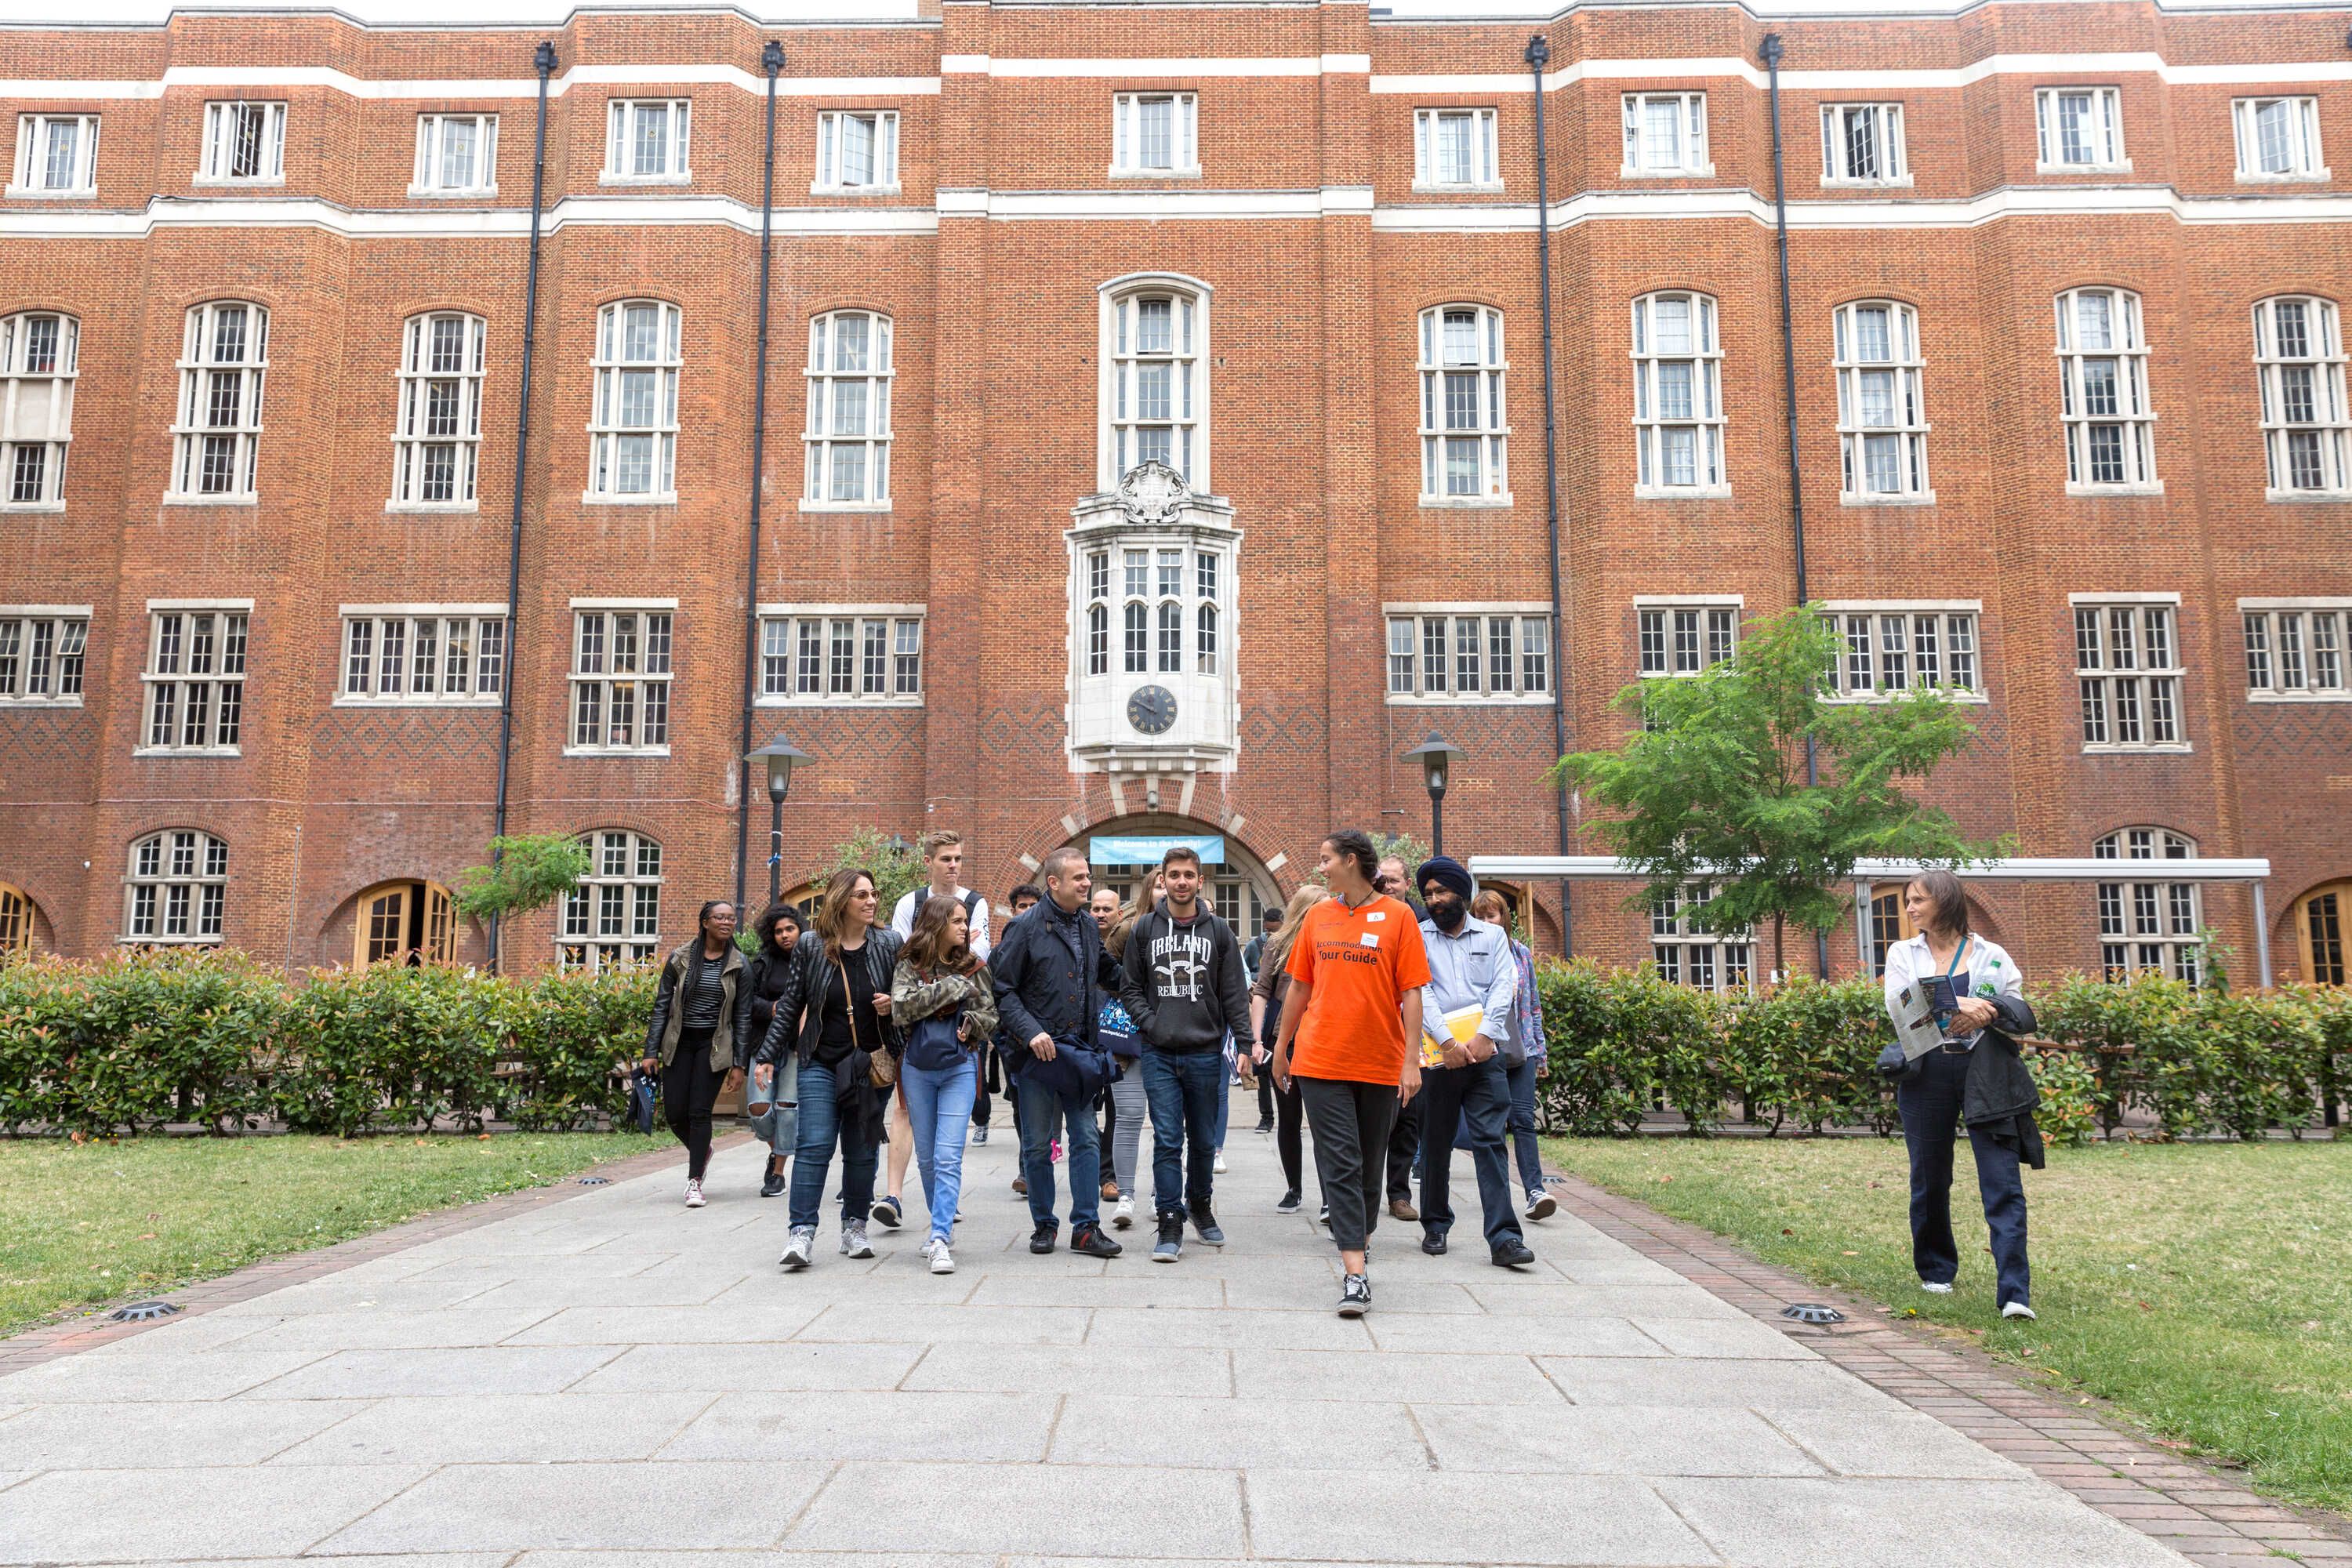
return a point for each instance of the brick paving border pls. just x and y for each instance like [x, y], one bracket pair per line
[34, 1346]
[2206, 1514]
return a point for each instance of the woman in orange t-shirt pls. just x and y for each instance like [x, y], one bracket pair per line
[1356, 972]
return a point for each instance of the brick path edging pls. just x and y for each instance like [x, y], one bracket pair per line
[34, 1346]
[2204, 1514]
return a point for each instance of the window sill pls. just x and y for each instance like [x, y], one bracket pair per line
[1467, 503]
[608, 178]
[433, 507]
[2123, 168]
[2316, 177]
[1951, 694]
[590, 498]
[863, 506]
[223, 184]
[444, 193]
[1899, 182]
[891, 189]
[624, 751]
[2115, 749]
[2076, 487]
[167, 940]
[1446, 188]
[36, 704]
[1682, 492]
[202, 751]
[1116, 174]
[765, 701]
[43, 193]
[1705, 171]
[169, 499]
[397, 704]
[2299, 695]
[1924, 498]
[2289, 498]
[1456, 699]
[34, 506]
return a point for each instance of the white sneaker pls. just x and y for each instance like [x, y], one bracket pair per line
[1932, 1288]
[1218, 1166]
[942, 1260]
[694, 1198]
[1123, 1216]
[930, 1245]
[2018, 1309]
[798, 1250]
[853, 1240]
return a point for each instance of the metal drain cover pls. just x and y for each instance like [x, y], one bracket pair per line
[1813, 1312]
[143, 1311]
[595, 1181]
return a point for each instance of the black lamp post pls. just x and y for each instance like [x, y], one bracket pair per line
[1435, 757]
[781, 755]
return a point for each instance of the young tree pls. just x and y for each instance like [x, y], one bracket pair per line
[1713, 790]
[527, 871]
[892, 860]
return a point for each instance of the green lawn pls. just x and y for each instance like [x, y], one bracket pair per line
[2205, 1289]
[82, 1224]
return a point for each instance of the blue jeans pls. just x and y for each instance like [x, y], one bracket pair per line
[938, 1114]
[779, 1127]
[1042, 1114]
[821, 1124]
[1479, 1097]
[1930, 1105]
[1522, 1122]
[1186, 1092]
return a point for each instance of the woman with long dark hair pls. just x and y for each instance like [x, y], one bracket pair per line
[775, 1102]
[833, 1016]
[692, 1038]
[946, 1011]
[1266, 998]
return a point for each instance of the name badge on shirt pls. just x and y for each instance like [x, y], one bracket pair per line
[1370, 938]
[1376, 915]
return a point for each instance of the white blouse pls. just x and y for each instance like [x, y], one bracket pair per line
[1989, 969]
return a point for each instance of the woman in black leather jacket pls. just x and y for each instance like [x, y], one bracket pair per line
[778, 929]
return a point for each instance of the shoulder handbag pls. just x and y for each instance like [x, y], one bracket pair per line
[881, 1067]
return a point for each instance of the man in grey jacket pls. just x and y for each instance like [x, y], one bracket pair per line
[1185, 988]
[1470, 965]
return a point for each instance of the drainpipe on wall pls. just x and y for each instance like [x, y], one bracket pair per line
[771, 60]
[1539, 55]
[542, 58]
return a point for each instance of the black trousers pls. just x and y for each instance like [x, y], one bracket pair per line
[688, 1089]
[1404, 1143]
[1351, 1123]
[1289, 1112]
[1477, 1098]
[981, 1103]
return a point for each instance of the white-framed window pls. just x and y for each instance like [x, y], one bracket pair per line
[620, 670]
[831, 656]
[1455, 150]
[224, 356]
[428, 653]
[2151, 927]
[1169, 606]
[2128, 671]
[1900, 647]
[1687, 953]
[41, 655]
[1861, 145]
[847, 441]
[857, 152]
[1685, 639]
[645, 141]
[2278, 138]
[438, 436]
[195, 679]
[1677, 396]
[1155, 134]
[613, 917]
[633, 432]
[2102, 398]
[175, 887]
[1465, 429]
[1882, 410]
[1469, 653]
[40, 355]
[456, 155]
[1665, 133]
[244, 143]
[2295, 648]
[2080, 129]
[57, 155]
[1155, 392]
[2306, 422]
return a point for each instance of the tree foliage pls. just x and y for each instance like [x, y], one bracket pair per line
[1713, 791]
[527, 871]
[887, 858]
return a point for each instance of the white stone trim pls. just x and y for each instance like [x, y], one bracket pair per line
[422, 609]
[2126, 599]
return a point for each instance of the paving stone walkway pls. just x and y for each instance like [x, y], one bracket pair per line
[614, 1379]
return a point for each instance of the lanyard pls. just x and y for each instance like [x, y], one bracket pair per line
[1953, 968]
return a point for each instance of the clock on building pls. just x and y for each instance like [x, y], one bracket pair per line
[1151, 710]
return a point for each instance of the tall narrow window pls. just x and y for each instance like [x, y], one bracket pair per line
[41, 655]
[856, 151]
[613, 917]
[2278, 138]
[195, 681]
[1881, 414]
[2128, 671]
[2102, 398]
[457, 154]
[217, 440]
[2307, 422]
[2081, 129]
[1678, 395]
[847, 441]
[633, 442]
[57, 155]
[1155, 133]
[1456, 149]
[175, 889]
[39, 354]
[244, 143]
[2152, 927]
[1155, 392]
[1861, 145]
[2298, 648]
[438, 436]
[2320, 918]
[1665, 133]
[620, 670]
[1464, 433]
[645, 140]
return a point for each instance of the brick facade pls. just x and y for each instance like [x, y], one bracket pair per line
[1306, 223]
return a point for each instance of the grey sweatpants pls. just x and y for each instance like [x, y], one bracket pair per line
[1127, 1133]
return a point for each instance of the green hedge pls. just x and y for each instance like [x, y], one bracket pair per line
[145, 1038]
[1623, 1042]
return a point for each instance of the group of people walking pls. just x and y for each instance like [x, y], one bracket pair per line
[1361, 1008]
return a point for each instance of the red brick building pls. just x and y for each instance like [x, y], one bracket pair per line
[2066, 277]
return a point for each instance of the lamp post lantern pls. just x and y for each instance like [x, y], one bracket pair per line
[782, 756]
[1435, 757]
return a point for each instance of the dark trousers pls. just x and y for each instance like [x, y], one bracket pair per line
[1289, 1111]
[1930, 1105]
[981, 1103]
[1477, 1098]
[1183, 1090]
[688, 1089]
[1404, 1143]
[1351, 1123]
[1264, 1096]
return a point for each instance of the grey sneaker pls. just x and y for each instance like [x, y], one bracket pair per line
[1170, 1245]
[853, 1240]
[1206, 1225]
[798, 1248]
[1354, 1296]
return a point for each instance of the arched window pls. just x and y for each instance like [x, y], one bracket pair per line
[438, 436]
[2319, 920]
[849, 434]
[1155, 379]
[176, 889]
[1882, 416]
[223, 355]
[2103, 390]
[15, 923]
[1465, 432]
[2306, 426]
[1678, 395]
[38, 355]
[2153, 925]
[633, 429]
[613, 916]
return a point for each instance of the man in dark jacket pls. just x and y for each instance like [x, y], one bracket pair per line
[1185, 988]
[1049, 970]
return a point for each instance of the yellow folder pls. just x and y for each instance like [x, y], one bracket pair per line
[1459, 1026]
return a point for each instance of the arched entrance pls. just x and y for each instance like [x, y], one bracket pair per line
[2320, 916]
[1240, 885]
[404, 922]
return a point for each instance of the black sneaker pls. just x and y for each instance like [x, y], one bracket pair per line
[1354, 1296]
[1170, 1245]
[774, 1185]
[1512, 1253]
[1042, 1239]
[1206, 1225]
[1433, 1244]
[1266, 1127]
[1090, 1240]
[1289, 1204]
